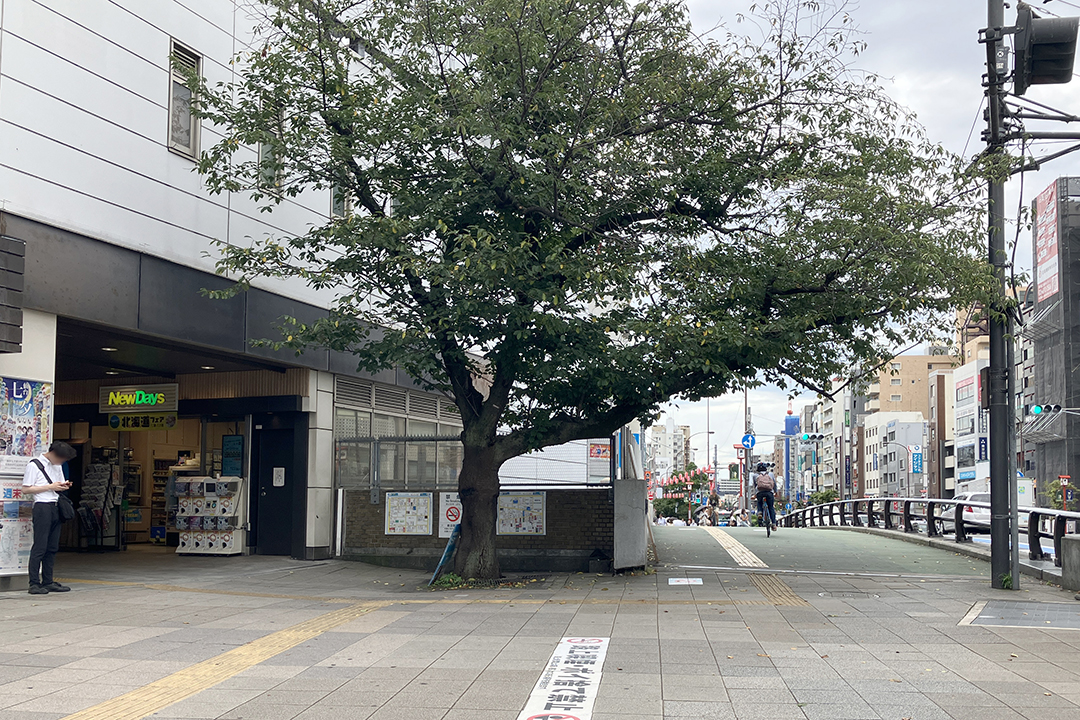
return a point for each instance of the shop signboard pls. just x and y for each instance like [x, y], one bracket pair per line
[139, 399]
[131, 422]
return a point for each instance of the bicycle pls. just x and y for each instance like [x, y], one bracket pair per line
[766, 514]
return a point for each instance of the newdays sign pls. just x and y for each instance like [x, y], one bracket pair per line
[138, 398]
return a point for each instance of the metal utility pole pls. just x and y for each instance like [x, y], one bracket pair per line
[1002, 423]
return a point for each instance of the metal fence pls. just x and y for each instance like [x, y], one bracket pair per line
[936, 518]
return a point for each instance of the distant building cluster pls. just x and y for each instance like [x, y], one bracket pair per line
[916, 427]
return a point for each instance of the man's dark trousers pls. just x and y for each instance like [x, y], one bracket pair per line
[47, 526]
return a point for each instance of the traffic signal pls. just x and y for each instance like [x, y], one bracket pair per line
[812, 437]
[1045, 49]
[1044, 409]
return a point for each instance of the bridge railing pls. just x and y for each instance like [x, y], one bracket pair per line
[936, 517]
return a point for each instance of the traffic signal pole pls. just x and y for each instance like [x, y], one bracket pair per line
[1001, 410]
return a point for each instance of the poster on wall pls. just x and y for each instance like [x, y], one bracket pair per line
[16, 530]
[25, 431]
[449, 513]
[25, 417]
[408, 513]
[232, 455]
[522, 513]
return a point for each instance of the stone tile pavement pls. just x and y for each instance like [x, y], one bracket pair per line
[854, 647]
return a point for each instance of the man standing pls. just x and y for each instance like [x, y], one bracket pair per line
[44, 478]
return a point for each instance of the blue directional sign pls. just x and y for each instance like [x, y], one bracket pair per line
[748, 441]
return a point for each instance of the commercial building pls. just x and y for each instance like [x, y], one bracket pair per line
[109, 236]
[891, 440]
[971, 423]
[1054, 330]
[940, 440]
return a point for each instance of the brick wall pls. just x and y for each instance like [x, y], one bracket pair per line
[579, 522]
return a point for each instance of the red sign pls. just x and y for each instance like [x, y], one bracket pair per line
[651, 495]
[453, 513]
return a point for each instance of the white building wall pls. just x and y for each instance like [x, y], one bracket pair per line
[84, 92]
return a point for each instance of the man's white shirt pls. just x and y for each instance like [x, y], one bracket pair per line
[34, 477]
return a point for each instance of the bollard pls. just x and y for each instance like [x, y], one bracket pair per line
[1070, 562]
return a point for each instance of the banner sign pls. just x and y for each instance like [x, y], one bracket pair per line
[1046, 243]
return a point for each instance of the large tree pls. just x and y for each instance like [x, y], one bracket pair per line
[566, 212]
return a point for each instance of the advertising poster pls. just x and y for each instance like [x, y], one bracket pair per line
[232, 455]
[522, 513]
[25, 417]
[25, 431]
[16, 531]
[408, 513]
[1046, 243]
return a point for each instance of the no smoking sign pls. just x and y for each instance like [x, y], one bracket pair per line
[450, 512]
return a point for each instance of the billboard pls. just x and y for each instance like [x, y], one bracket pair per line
[1046, 243]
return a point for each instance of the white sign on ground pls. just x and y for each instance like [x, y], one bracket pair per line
[684, 581]
[567, 688]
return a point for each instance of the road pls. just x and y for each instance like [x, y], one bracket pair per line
[812, 549]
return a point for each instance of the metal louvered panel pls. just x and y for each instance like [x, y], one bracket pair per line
[185, 58]
[352, 392]
[423, 406]
[449, 412]
[390, 399]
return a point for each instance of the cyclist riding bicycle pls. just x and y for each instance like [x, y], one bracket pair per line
[765, 486]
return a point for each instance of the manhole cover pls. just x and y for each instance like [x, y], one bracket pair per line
[851, 594]
[1017, 613]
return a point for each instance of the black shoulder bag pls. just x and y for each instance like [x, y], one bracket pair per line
[63, 502]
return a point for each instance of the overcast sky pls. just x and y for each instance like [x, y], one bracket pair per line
[929, 58]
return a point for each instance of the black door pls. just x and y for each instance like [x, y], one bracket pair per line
[274, 483]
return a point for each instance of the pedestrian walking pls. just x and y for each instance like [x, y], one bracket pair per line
[44, 479]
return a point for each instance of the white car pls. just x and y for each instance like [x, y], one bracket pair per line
[975, 516]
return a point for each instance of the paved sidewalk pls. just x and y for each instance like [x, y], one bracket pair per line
[279, 639]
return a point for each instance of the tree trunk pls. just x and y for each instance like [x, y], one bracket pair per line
[478, 487]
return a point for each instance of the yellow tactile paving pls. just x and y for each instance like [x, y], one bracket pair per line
[148, 699]
[776, 590]
[738, 552]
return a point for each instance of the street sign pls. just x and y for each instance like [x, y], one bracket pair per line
[652, 496]
[748, 441]
[1068, 494]
[742, 453]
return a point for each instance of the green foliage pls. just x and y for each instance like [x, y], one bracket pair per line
[448, 581]
[1055, 495]
[821, 497]
[670, 507]
[589, 205]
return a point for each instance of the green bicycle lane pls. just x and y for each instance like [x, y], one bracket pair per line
[813, 550]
